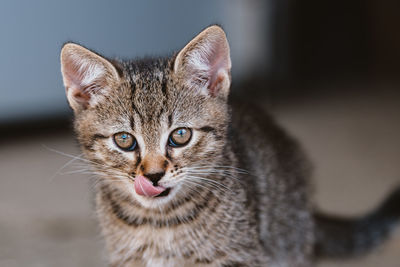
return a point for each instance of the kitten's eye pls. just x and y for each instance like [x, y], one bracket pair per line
[180, 137]
[125, 141]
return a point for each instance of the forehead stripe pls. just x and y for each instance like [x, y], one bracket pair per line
[164, 86]
[207, 129]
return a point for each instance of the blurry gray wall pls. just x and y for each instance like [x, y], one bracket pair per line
[32, 33]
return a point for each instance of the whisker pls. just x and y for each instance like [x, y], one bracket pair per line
[211, 172]
[221, 167]
[216, 185]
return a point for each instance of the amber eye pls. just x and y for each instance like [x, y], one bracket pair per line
[180, 137]
[125, 141]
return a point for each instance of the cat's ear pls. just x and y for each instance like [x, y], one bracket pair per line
[87, 76]
[205, 62]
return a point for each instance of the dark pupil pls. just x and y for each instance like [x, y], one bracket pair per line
[181, 132]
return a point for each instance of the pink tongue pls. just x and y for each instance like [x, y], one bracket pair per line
[146, 188]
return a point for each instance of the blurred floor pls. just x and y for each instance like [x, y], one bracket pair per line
[47, 217]
[352, 139]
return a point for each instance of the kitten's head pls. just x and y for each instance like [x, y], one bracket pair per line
[152, 128]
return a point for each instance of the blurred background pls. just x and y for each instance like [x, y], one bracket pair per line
[327, 70]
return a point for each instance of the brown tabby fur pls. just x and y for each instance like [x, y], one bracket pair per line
[251, 211]
[239, 189]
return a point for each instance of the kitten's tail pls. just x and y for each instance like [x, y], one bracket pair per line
[339, 237]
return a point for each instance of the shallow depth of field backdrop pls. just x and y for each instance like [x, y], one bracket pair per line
[328, 71]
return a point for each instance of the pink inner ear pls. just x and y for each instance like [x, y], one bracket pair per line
[73, 78]
[210, 63]
[82, 77]
[73, 83]
[219, 62]
[215, 83]
[86, 75]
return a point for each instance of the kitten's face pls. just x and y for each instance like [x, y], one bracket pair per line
[152, 129]
[153, 113]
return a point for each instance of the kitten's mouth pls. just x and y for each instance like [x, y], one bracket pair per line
[144, 187]
[164, 193]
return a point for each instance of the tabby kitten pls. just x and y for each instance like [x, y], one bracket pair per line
[186, 179]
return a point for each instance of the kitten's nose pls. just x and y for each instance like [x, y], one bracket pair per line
[154, 177]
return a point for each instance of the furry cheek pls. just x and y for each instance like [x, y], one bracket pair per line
[126, 161]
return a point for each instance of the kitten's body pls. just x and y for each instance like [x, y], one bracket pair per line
[235, 222]
[239, 190]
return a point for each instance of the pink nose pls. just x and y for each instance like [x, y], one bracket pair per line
[145, 187]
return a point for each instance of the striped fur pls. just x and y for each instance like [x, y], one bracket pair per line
[239, 190]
